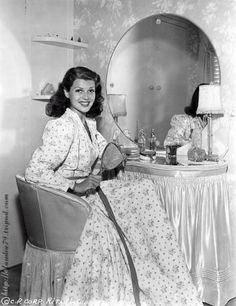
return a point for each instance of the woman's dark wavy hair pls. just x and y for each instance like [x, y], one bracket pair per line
[58, 103]
[191, 110]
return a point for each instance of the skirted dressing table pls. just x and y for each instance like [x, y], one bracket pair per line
[196, 200]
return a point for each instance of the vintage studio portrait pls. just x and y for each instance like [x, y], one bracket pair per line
[118, 152]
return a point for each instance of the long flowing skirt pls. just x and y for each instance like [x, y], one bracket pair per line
[100, 274]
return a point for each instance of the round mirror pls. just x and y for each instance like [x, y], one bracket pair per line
[154, 70]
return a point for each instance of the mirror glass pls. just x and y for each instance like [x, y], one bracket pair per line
[154, 70]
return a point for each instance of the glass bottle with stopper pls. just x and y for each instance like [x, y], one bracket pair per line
[196, 153]
[141, 140]
[153, 140]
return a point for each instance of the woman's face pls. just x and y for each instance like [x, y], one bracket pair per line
[81, 95]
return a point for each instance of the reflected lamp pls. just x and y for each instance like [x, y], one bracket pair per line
[209, 104]
[117, 104]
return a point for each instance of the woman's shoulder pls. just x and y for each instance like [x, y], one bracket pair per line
[63, 123]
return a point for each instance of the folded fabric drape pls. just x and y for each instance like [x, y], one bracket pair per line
[199, 209]
[37, 283]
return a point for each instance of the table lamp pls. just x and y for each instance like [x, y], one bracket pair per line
[117, 104]
[209, 104]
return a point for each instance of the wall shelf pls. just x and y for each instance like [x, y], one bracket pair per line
[56, 41]
[59, 42]
[41, 97]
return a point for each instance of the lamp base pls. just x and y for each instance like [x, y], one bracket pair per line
[212, 157]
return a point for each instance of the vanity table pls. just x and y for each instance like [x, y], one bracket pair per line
[195, 197]
[197, 203]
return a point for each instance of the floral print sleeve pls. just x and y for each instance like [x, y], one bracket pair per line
[180, 131]
[57, 140]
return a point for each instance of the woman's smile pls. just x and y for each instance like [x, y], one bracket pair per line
[85, 103]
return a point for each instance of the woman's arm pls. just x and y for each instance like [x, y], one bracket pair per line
[57, 140]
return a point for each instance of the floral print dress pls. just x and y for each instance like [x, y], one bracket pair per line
[100, 274]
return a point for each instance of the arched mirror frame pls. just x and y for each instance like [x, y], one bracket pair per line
[122, 109]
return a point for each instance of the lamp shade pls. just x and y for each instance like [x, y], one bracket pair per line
[117, 103]
[209, 100]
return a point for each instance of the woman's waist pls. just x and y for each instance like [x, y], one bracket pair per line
[74, 174]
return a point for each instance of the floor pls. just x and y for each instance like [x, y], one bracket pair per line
[14, 283]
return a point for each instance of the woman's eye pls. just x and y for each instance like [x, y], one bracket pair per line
[79, 90]
[91, 90]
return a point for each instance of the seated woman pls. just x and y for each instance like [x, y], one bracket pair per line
[100, 274]
[185, 127]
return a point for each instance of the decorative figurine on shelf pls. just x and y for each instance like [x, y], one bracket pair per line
[48, 89]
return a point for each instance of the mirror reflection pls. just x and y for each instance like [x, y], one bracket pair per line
[154, 70]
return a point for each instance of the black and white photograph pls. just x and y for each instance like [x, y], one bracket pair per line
[118, 152]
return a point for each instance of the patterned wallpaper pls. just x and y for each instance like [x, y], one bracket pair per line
[103, 22]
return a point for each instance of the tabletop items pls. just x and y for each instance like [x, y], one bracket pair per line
[148, 149]
[196, 154]
[171, 155]
[150, 143]
[54, 35]
[143, 149]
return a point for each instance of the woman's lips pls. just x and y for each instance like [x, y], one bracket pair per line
[85, 104]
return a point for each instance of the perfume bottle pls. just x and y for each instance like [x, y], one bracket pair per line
[152, 140]
[196, 153]
[196, 137]
[141, 140]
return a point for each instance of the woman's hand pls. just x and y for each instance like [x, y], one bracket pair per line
[89, 185]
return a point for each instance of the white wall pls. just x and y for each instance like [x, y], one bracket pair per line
[23, 65]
